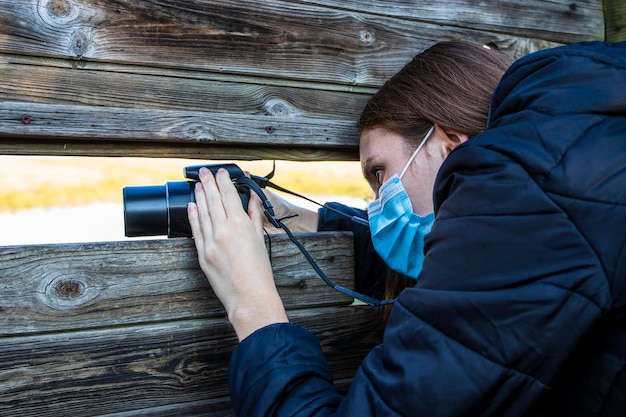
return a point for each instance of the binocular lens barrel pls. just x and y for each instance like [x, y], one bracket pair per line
[154, 210]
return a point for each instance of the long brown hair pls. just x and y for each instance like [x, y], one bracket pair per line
[449, 84]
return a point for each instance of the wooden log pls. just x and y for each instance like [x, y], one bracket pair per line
[135, 367]
[66, 287]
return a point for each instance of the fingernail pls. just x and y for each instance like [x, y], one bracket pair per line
[198, 186]
[203, 171]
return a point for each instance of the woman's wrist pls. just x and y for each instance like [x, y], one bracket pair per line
[248, 319]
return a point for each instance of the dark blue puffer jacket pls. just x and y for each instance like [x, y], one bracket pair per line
[520, 308]
[369, 269]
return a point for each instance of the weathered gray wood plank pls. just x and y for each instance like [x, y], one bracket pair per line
[70, 122]
[276, 61]
[144, 366]
[216, 407]
[27, 146]
[80, 286]
[56, 81]
[278, 39]
[556, 20]
[207, 408]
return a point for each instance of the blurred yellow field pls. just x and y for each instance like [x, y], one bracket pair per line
[28, 182]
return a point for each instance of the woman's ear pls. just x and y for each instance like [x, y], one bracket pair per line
[451, 139]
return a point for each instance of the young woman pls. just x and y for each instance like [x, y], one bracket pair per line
[520, 305]
[448, 86]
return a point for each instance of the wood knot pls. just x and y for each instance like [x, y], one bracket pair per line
[26, 120]
[80, 43]
[63, 292]
[198, 131]
[571, 9]
[59, 8]
[69, 289]
[367, 37]
[280, 108]
[57, 12]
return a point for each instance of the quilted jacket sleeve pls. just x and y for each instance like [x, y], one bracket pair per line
[484, 331]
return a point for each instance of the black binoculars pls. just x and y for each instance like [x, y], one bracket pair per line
[154, 210]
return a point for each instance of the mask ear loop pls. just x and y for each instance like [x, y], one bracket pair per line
[406, 167]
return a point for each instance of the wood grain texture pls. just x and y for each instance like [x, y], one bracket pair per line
[55, 81]
[27, 146]
[277, 39]
[68, 123]
[120, 369]
[133, 327]
[559, 21]
[57, 121]
[216, 407]
[236, 70]
[615, 20]
[81, 286]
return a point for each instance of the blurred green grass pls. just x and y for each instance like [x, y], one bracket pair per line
[28, 182]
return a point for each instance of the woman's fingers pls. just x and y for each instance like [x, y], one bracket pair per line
[255, 211]
[194, 222]
[229, 196]
[212, 198]
[216, 200]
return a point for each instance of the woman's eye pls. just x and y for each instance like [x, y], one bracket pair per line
[378, 173]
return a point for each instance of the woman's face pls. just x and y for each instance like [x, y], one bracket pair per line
[384, 153]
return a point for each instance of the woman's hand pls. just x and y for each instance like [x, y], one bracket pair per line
[232, 253]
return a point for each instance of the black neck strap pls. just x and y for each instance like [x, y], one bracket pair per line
[268, 210]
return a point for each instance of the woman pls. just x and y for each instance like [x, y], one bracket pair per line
[520, 306]
[448, 75]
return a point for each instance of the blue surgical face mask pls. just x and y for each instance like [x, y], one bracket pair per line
[397, 232]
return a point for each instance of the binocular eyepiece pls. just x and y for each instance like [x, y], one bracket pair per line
[154, 210]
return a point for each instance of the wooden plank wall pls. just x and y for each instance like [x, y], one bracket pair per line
[95, 329]
[132, 328]
[233, 79]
